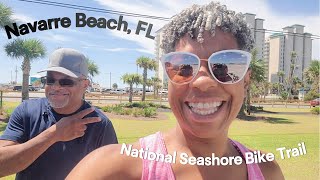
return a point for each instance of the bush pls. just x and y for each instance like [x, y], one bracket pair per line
[118, 109]
[137, 112]
[315, 110]
[135, 104]
[149, 112]
[127, 111]
[284, 95]
[311, 95]
[146, 109]
[107, 109]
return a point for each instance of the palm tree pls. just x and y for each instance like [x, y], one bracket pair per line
[147, 64]
[93, 69]
[312, 74]
[5, 13]
[131, 79]
[156, 85]
[28, 50]
[115, 86]
[274, 87]
[257, 67]
[293, 67]
[280, 74]
[149, 83]
[296, 83]
[266, 86]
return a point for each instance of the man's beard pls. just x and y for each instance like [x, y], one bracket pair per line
[58, 103]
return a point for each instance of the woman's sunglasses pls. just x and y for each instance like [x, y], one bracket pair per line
[65, 82]
[227, 66]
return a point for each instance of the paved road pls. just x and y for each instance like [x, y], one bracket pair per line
[93, 97]
[304, 106]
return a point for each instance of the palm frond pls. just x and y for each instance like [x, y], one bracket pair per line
[5, 15]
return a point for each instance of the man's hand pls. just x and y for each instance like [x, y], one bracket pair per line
[71, 127]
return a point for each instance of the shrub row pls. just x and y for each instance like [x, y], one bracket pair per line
[143, 105]
[121, 109]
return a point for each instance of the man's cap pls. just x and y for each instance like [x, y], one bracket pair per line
[69, 62]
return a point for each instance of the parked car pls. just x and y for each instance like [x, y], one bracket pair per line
[315, 102]
[31, 88]
[17, 88]
[105, 90]
[148, 92]
[118, 91]
[164, 92]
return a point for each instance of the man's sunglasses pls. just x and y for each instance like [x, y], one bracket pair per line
[65, 82]
[227, 66]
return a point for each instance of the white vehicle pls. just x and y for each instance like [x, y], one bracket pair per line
[118, 91]
[163, 92]
[148, 92]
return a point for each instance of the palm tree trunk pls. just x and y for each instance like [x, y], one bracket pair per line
[144, 84]
[279, 87]
[25, 79]
[248, 101]
[154, 90]
[264, 91]
[130, 93]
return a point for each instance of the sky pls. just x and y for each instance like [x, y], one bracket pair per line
[115, 52]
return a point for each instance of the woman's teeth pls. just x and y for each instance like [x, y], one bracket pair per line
[205, 108]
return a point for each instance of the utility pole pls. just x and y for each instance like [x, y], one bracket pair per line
[16, 75]
[110, 81]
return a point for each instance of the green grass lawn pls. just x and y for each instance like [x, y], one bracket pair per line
[10, 105]
[275, 131]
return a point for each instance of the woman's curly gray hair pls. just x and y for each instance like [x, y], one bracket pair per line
[196, 19]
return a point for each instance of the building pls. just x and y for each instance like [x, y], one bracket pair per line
[279, 48]
[257, 30]
[158, 54]
[258, 33]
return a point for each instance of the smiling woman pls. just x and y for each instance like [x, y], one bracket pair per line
[203, 46]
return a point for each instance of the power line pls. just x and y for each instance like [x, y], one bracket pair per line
[87, 8]
[106, 11]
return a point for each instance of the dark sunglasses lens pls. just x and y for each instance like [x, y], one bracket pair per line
[66, 82]
[63, 82]
[229, 67]
[49, 80]
[181, 68]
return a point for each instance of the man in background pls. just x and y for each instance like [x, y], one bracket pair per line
[45, 138]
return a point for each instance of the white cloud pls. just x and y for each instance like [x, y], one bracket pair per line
[145, 43]
[124, 49]
[22, 18]
[56, 38]
[116, 49]
[102, 48]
